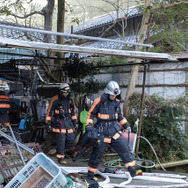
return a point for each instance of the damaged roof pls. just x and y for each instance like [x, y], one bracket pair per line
[97, 21]
[22, 35]
[105, 19]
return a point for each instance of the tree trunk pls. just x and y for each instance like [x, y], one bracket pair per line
[60, 28]
[130, 89]
[134, 73]
[60, 20]
[135, 69]
[48, 14]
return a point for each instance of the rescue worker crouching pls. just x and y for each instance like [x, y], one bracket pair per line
[62, 111]
[110, 122]
[4, 107]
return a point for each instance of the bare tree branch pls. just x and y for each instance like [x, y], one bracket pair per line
[82, 8]
[118, 34]
[26, 16]
[118, 7]
[108, 29]
[103, 11]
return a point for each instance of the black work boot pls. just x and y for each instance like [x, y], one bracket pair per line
[62, 161]
[132, 171]
[91, 180]
[91, 176]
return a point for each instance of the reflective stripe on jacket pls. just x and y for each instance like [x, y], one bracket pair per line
[4, 102]
[60, 108]
[106, 110]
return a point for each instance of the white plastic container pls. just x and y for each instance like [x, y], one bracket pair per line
[39, 172]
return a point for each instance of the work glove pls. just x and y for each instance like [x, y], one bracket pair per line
[48, 127]
[128, 129]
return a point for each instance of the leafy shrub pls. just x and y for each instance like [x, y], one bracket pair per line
[161, 125]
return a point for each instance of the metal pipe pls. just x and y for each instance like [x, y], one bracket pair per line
[141, 111]
[20, 144]
[15, 141]
[79, 49]
[74, 35]
[40, 77]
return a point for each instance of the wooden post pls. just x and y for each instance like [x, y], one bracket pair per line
[186, 94]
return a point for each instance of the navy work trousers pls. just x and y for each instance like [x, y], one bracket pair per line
[119, 145]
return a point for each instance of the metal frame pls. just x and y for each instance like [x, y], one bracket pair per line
[74, 35]
[6, 42]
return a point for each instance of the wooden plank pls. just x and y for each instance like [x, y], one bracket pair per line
[77, 49]
[173, 164]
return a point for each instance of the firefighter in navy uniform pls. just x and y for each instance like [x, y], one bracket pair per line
[110, 122]
[62, 112]
[4, 108]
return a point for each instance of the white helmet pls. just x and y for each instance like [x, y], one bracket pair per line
[112, 88]
[64, 88]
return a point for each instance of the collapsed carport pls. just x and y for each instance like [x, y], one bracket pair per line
[76, 49]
